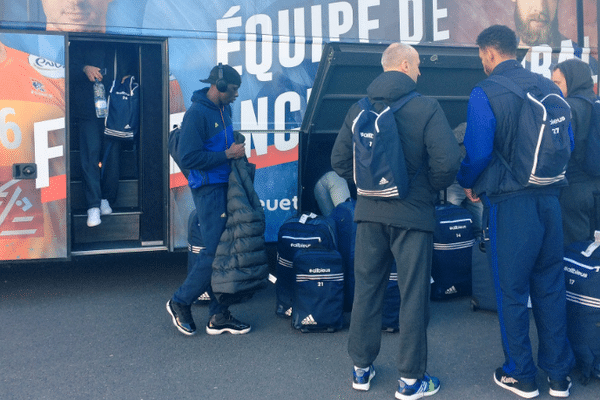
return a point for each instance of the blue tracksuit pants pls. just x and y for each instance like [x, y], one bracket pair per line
[526, 250]
[211, 208]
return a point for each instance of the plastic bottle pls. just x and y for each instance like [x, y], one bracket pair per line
[100, 100]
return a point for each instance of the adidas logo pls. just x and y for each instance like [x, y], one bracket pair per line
[288, 312]
[216, 125]
[309, 320]
[383, 181]
[127, 126]
[451, 290]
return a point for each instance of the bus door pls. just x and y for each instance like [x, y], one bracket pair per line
[130, 174]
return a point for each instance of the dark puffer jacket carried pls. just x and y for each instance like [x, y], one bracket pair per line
[241, 267]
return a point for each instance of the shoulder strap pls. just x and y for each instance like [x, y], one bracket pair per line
[365, 104]
[509, 84]
[398, 104]
[516, 89]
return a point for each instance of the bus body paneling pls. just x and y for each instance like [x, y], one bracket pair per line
[276, 45]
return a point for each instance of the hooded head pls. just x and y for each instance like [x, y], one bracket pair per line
[573, 77]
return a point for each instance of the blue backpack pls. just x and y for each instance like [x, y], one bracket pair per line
[591, 163]
[379, 164]
[542, 145]
[123, 120]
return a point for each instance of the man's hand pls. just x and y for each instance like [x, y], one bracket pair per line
[471, 195]
[237, 150]
[92, 73]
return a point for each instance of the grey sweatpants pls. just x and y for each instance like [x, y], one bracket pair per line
[377, 246]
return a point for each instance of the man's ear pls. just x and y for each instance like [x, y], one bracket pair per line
[404, 66]
[490, 54]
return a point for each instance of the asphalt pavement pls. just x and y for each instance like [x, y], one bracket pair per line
[97, 328]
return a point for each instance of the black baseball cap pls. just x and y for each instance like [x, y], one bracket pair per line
[230, 75]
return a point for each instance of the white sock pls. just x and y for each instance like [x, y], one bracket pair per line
[364, 370]
[409, 382]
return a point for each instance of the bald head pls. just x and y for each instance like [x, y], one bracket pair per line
[403, 58]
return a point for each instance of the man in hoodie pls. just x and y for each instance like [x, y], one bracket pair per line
[400, 230]
[574, 78]
[207, 144]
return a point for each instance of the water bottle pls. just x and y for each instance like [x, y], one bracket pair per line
[100, 100]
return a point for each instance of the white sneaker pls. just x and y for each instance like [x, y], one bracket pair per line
[93, 217]
[105, 207]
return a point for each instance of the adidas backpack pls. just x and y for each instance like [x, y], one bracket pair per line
[542, 146]
[591, 163]
[123, 119]
[379, 164]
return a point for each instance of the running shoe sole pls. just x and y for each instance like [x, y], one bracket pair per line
[213, 331]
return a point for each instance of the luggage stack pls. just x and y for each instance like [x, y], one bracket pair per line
[582, 279]
[315, 272]
[310, 274]
[582, 282]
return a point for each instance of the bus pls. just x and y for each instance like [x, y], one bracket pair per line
[275, 45]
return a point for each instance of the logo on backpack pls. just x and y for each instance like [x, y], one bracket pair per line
[379, 164]
[542, 144]
[591, 163]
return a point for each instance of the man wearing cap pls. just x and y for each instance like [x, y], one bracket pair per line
[206, 146]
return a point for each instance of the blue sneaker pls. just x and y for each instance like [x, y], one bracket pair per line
[362, 380]
[427, 386]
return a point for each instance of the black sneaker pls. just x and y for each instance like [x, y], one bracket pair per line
[361, 380]
[527, 390]
[181, 315]
[560, 388]
[225, 322]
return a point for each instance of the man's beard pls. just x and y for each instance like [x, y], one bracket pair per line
[534, 36]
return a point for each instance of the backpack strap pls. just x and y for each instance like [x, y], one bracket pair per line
[509, 84]
[516, 89]
[366, 104]
[398, 104]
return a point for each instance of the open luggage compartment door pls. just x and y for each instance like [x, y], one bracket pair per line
[346, 70]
